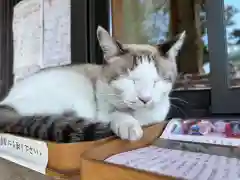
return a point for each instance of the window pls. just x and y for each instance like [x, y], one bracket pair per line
[232, 25]
[140, 21]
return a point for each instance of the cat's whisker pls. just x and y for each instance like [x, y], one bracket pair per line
[125, 103]
[120, 102]
[179, 99]
[179, 109]
[110, 95]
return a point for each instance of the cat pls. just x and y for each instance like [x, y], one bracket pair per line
[88, 102]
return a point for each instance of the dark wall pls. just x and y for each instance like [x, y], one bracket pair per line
[194, 103]
[98, 14]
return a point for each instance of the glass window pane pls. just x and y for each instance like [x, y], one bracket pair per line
[232, 24]
[142, 21]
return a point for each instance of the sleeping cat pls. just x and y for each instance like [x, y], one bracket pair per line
[87, 101]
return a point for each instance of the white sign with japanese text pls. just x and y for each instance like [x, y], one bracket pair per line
[26, 152]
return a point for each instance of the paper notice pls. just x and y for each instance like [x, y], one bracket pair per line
[29, 153]
[180, 164]
[27, 32]
[41, 30]
[57, 39]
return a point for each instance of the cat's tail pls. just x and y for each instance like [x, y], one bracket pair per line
[58, 128]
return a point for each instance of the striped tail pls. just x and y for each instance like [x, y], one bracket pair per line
[58, 128]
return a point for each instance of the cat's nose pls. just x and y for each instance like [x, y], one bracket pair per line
[145, 99]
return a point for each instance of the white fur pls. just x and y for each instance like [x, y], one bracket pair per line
[53, 92]
[142, 81]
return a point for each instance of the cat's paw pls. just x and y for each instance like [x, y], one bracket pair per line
[127, 129]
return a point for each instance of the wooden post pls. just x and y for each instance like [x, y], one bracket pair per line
[199, 41]
[184, 16]
[173, 17]
[117, 18]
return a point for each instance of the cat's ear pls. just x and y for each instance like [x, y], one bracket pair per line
[109, 45]
[171, 47]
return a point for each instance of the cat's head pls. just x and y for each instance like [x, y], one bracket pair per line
[140, 74]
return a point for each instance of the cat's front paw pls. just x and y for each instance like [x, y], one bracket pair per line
[128, 129]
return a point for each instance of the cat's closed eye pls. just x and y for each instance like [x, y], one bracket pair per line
[134, 80]
[167, 78]
[155, 82]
